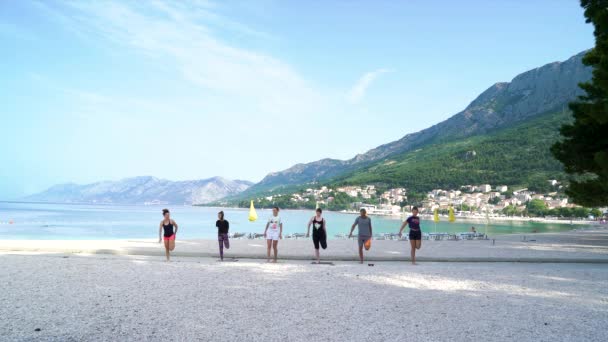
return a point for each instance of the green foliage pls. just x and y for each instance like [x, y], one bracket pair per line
[494, 200]
[517, 156]
[537, 207]
[511, 210]
[596, 212]
[584, 148]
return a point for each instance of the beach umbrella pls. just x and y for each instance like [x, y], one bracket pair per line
[436, 218]
[451, 216]
[253, 216]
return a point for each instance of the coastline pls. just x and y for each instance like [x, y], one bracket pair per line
[444, 218]
[580, 245]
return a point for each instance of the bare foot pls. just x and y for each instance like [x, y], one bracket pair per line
[274, 261]
[414, 264]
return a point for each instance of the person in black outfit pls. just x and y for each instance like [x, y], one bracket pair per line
[222, 233]
[415, 233]
[319, 232]
[169, 227]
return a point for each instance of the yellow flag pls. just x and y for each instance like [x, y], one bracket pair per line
[253, 216]
[451, 217]
[436, 216]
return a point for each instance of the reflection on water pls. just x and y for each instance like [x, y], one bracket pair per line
[64, 221]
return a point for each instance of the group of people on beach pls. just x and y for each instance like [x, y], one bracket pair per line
[273, 232]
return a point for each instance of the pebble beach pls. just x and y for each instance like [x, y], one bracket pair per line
[131, 294]
[129, 298]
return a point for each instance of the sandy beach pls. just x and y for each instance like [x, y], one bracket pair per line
[138, 298]
[540, 287]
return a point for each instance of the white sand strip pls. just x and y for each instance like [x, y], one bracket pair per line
[576, 246]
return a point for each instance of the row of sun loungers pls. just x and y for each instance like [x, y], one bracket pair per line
[383, 236]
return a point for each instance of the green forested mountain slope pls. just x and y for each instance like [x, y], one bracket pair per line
[515, 156]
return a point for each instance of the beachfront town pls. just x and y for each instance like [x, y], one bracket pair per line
[468, 201]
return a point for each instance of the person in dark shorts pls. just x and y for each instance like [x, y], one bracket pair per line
[222, 233]
[415, 234]
[319, 232]
[364, 223]
[169, 228]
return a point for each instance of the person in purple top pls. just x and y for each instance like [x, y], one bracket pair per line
[415, 234]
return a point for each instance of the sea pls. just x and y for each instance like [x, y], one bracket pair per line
[46, 221]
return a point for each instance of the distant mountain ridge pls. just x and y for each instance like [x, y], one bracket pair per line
[141, 190]
[533, 93]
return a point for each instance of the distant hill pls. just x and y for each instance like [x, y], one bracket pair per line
[139, 190]
[536, 93]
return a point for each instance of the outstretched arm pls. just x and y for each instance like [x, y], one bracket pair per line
[402, 227]
[174, 225]
[308, 229]
[160, 232]
[351, 230]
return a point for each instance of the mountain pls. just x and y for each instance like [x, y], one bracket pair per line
[139, 190]
[534, 93]
[516, 156]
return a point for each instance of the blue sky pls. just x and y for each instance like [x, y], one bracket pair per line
[186, 90]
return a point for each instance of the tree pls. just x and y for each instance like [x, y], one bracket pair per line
[596, 213]
[537, 207]
[494, 200]
[584, 147]
[510, 210]
[581, 212]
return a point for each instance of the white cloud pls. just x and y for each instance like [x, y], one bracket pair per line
[358, 91]
[187, 37]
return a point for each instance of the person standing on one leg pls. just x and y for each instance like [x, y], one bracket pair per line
[415, 234]
[170, 232]
[222, 233]
[319, 232]
[273, 233]
[365, 232]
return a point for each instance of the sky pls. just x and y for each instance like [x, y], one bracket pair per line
[103, 90]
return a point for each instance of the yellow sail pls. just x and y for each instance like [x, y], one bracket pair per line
[451, 217]
[436, 216]
[253, 216]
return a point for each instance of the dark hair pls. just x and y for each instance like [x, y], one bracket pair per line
[277, 208]
[221, 213]
[319, 210]
[165, 212]
[415, 208]
[362, 210]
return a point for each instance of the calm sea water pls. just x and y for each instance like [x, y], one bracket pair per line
[81, 222]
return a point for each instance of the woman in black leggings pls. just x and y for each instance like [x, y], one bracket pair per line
[319, 232]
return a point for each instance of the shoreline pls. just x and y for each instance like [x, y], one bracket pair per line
[575, 246]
